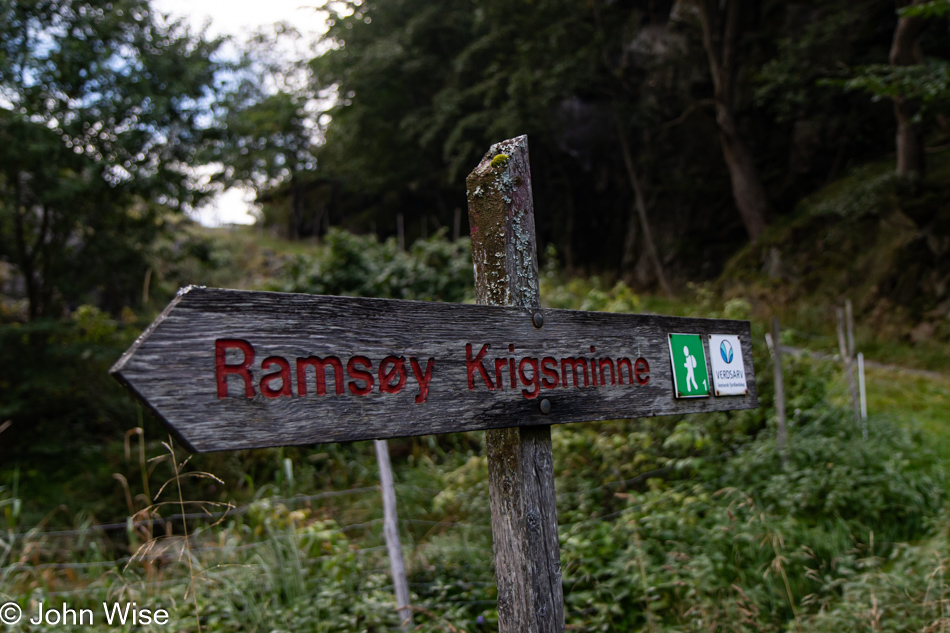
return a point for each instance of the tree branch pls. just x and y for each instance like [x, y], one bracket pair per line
[709, 21]
[686, 113]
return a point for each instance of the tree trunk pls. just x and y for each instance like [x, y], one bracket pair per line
[905, 51]
[25, 255]
[642, 214]
[747, 189]
[627, 260]
[720, 24]
[568, 241]
[910, 148]
[296, 209]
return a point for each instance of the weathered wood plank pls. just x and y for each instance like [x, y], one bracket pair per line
[520, 459]
[172, 367]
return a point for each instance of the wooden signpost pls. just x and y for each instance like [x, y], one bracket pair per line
[229, 370]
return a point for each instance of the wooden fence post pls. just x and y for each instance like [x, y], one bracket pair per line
[520, 460]
[857, 363]
[862, 387]
[846, 348]
[782, 435]
[391, 532]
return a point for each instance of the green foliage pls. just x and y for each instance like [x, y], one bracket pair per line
[671, 523]
[869, 193]
[431, 270]
[871, 236]
[928, 83]
[675, 523]
[737, 308]
[63, 406]
[790, 84]
[901, 590]
[584, 294]
[931, 9]
[423, 91]
[271, 118]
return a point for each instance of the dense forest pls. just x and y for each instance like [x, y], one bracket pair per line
[726, 158]
[696, 123]
[663, 135]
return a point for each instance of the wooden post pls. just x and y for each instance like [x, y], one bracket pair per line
[391, 532]
[520, 460]
[864, 397]
[782, 435]
[845, 350]
[849, 322]
[859, 402]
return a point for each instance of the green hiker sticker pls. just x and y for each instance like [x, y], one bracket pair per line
[690, 377]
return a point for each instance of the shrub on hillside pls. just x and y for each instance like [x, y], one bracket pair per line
[433, 269]
[695, 523]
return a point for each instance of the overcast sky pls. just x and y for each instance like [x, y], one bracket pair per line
[235, 17]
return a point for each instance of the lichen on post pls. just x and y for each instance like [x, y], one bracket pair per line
[520, 460]
[501, 214]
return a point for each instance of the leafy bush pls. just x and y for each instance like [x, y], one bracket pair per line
[433, 269]
[674, 524]
[55, 384]
[584, 294]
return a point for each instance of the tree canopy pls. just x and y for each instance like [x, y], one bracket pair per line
[727, 116]
[103, 106]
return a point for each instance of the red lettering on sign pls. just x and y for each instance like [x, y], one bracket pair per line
[357, 374]
[621, 363]
[283, 373]
[593, 366]
[423, 378]
[475, 364]
[549, 369]
[534, 381]
[528, 373]
[642, 369]
[223, 370]
[573, 363]
[320, 373]
[500, 365]
[387, 376]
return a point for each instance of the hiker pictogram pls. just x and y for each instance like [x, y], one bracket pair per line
[690, 376]
[690, 365]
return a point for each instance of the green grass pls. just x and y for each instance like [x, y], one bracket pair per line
[917, 402]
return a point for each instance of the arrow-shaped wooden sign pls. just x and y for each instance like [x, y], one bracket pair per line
[229, 369]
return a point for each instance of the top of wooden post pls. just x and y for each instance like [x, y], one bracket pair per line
[501, 214]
